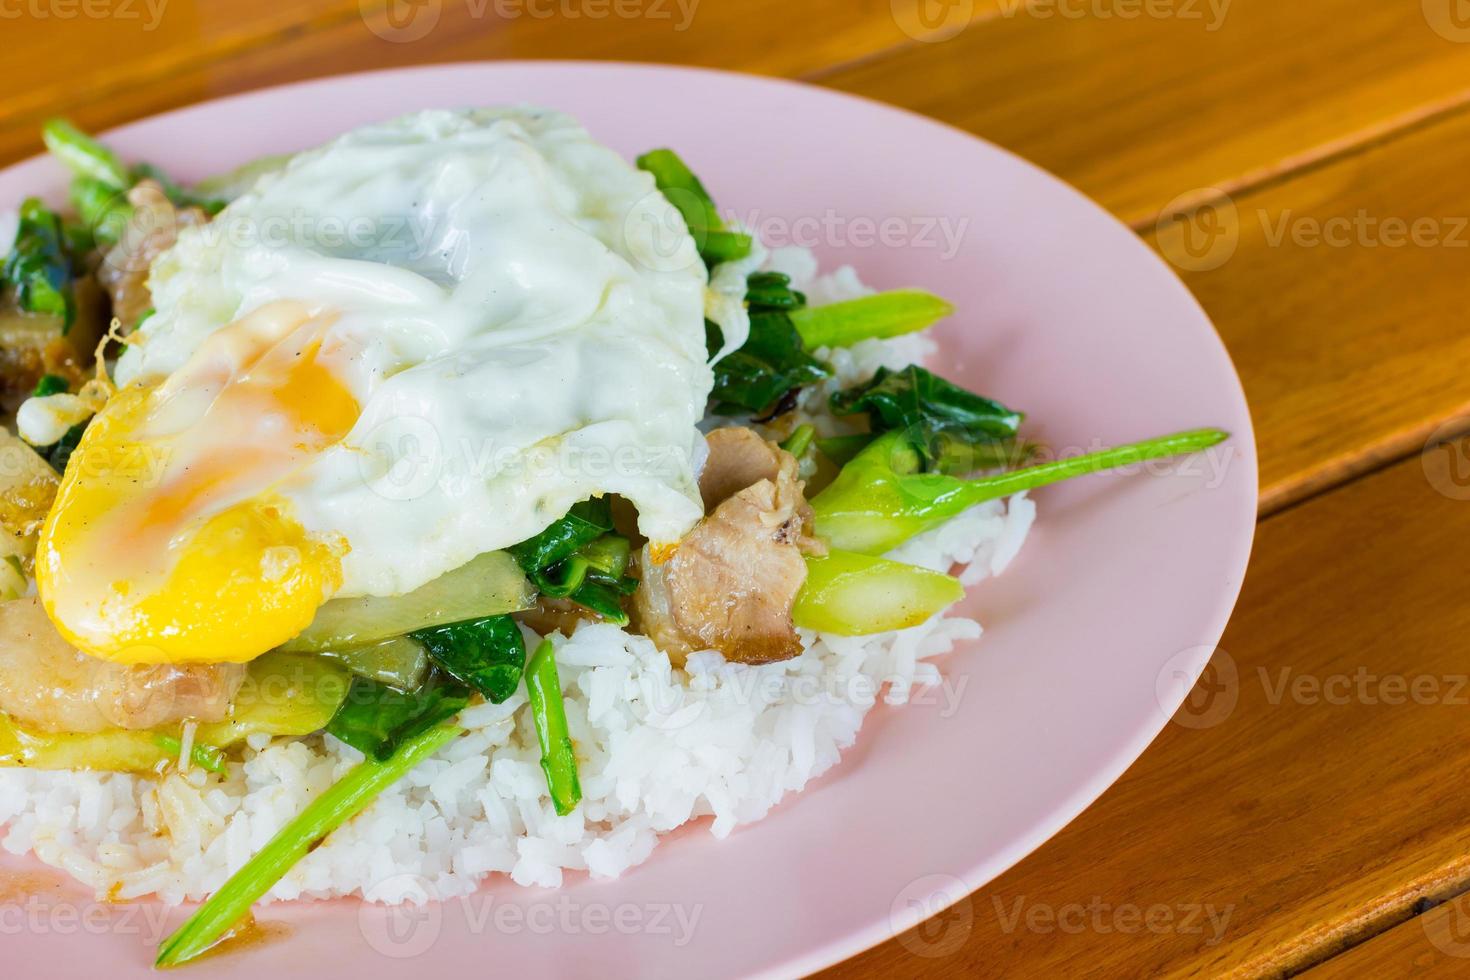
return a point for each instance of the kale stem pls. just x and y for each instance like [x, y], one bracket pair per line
[83, 155]
[326, 813]
[1044, 474]
[796, 444]
[881, 315]
[558, 757]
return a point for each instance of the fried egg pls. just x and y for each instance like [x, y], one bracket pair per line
[420, 342]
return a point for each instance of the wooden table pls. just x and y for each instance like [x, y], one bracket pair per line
[1304, 165]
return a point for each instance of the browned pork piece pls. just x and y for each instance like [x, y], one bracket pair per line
[152, 229]
[729, 585]
[46, 685]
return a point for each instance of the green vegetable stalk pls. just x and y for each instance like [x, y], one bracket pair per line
[799, 441]
[206, 757]
[855, 595]
[884, 315]
[548, 710]
[84, 156]
[685, 192]
[326, 813]
[103, 209]
[881, 499]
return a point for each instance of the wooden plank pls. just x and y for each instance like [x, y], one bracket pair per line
[1341, 296]
[1325, 411]
[1431, 946]
[1304, 799]
[764, 36]
[76, 51]
[1137, 109]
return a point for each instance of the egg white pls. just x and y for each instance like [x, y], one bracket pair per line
[517, 310]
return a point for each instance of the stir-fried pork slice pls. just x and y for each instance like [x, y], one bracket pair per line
[152, 230]
[729, 585]
[48, 686]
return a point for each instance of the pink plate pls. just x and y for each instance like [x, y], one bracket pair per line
[1093, 636]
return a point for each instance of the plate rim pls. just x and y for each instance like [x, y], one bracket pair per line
[878, 929]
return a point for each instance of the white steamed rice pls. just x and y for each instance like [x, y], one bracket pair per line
[658, 747]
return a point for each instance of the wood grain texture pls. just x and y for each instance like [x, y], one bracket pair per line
[1432, 946]
[1306, 797]
[1314, 825]
[68, 52]
[1137, 110]
[317, 38]
[1341, 294]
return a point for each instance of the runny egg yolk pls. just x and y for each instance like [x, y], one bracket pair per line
[167, 542]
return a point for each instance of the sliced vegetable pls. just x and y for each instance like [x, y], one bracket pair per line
[282, 694]
[579, 558]
[772, 291]
[38, 265]
[880, 499]
[840, 449]
[685, 192]
[50, 384]
[489, 585]
[880, 316]
[584, 523]
[116, 751]
[326, 813]
[486, 654]
[206, 757]
[854, 595]
[762, 377]
[753, 378]
[400, 662]
[954, 430]
[606, 600]
[83, 155]
[376, 719]
[103, 209]
[548, 711]
[797, 443]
